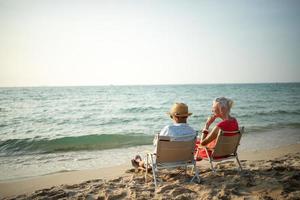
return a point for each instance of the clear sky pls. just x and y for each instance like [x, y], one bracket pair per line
[103, 42]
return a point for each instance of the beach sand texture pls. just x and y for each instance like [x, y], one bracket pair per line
[266, 175]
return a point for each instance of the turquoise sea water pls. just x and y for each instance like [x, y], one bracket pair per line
[49, 129]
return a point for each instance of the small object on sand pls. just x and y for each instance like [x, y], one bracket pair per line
[135, 162]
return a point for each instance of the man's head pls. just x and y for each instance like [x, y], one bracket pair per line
[179, 112]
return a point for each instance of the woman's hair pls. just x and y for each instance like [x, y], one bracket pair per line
[224, 102]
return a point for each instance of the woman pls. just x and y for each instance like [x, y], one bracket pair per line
[220, 109]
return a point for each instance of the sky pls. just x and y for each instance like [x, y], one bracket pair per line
[143, 42]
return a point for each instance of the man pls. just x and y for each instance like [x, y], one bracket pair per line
[178, 131]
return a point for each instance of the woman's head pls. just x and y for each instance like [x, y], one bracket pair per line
[221, 106]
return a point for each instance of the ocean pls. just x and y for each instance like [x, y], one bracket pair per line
[45, 130]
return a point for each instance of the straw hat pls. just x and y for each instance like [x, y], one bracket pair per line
[179, 110]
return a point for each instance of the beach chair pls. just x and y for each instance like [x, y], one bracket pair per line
[227, 143]
[172, 154]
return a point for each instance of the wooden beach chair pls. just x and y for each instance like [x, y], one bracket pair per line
[227, 143]
[172, 154]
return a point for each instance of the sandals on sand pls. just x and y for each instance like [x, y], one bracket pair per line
[136, 164]
[135, 161]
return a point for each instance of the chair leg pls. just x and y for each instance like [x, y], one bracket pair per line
[153, 171]
[238, 161]
[193, 167]
[212, 166]
[196, 174]
[195, 156]
[210, 161]
[147, 164]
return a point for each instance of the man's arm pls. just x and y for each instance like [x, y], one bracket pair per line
[164, 131]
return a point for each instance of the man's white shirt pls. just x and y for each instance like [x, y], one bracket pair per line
[177, 132]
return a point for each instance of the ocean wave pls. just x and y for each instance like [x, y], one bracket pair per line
[76, 143]
[3, 125]
[117, 120]
[270, 113]
[271, 127]
[138, 109]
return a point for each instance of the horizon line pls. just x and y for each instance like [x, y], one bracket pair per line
[166, 84]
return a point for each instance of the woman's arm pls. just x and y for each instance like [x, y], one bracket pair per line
[211, 136]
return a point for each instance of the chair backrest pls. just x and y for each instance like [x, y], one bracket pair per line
[174, 151]
[227, 143]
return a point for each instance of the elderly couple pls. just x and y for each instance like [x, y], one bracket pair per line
[179, 114]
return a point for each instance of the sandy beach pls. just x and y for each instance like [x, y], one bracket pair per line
[86, 87]
[268, 174]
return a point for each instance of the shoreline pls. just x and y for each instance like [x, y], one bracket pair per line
[29, 185]
[35, 165]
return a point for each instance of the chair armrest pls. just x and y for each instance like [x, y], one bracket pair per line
[150, 153]
[204, 147]
[164, 138]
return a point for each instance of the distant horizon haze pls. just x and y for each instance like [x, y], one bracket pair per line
[165, 84]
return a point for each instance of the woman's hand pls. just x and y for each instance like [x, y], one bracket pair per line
[200, 146]
[209, 121]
